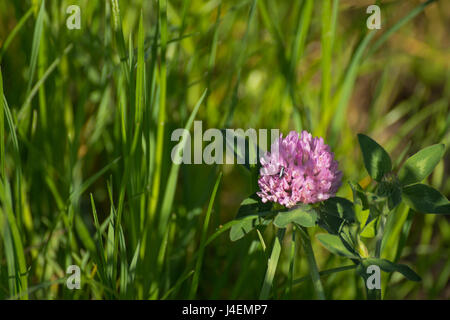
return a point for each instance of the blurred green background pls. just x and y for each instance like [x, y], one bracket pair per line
[83, 114]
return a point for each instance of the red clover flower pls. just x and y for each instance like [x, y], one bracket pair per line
[298, 169]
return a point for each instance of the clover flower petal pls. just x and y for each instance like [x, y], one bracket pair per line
[298, 169]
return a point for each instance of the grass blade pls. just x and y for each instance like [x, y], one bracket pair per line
[14, 32]
[162, 11]
[35, 44]
[198, 265]
[272, 265]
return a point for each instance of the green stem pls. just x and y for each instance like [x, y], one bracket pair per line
[376, 294]
[313, 270]
[380, 236]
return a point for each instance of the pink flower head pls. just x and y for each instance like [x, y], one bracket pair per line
[298, 169]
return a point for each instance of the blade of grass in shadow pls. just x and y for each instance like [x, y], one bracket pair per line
[246, 272]
[86, 184]
[178, 284]
[312, 264]
[198, 265]
[288, 288]
[37, 287]
[272, 264]
[14, 32]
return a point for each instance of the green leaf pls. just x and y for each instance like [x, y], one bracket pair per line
[303, 215]
[329, 222]
[369, 230]
[376, 159]
[394, 198]
[340, 207]
[250, 215]
[252, 205]
[244, 226]
[362, 216]
[425, 199]
[335, 214]
[334, 244]
[389, 266]
[420, 165]
[377, 205]
[359, 197]
[389, 188]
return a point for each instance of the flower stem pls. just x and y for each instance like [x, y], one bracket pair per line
[376, 294]
[379, 238]
[313, 270]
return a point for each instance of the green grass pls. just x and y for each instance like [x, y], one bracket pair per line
[86, 118]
